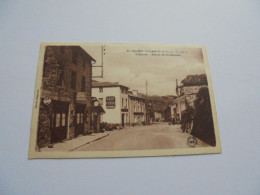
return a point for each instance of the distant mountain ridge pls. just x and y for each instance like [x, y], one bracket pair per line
[159, 103]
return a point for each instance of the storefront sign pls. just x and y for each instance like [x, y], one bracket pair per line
[110, 102]
[81, 96]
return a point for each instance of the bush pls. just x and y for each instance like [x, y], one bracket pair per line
[110, 127]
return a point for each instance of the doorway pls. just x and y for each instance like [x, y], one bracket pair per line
[79, 119]
[123, 120]
[60, 121]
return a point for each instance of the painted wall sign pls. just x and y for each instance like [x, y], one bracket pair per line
[110, 102]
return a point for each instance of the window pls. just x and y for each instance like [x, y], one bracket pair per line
[73, 80]
[78, 118]
[81, 118]
[84, 62]
[126, 103]
[57, 120]
[100, 101]
[122, 102]
[74, 57]
[63, 119]
[83, 83]
[100, 89]
[124, 90]
[134, 108]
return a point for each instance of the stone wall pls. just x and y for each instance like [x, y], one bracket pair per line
[44, 123]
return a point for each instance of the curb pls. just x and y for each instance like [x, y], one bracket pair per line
[88, 143]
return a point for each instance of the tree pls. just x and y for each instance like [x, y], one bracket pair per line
[203, 126]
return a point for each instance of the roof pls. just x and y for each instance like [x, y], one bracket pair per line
[195, 80]
[135, 97]
[107, 84]
[77, 48]
[86, 53]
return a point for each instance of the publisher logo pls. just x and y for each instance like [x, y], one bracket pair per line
[192, 142]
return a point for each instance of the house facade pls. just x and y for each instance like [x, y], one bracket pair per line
[187, 95]
[191, 86]
[177, 108]
[137, 109]
[65, 101]
[114, 99]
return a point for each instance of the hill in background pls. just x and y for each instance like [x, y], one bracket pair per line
[159, 103]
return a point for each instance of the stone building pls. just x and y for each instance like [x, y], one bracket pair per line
[66, 105]
[191, 86]
[187, 91]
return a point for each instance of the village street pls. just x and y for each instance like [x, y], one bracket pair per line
[156, 136]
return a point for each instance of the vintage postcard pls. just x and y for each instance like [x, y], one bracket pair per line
[96, 100]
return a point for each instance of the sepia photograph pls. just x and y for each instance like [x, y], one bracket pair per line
[123, 100]
[129, 97]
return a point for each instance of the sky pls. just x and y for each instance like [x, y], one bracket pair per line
[132, 65]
